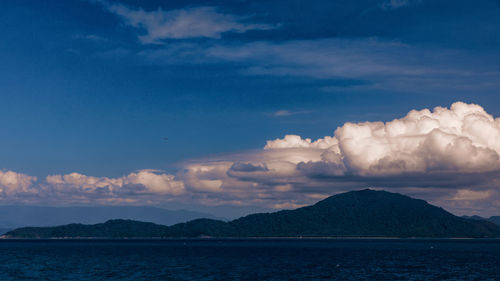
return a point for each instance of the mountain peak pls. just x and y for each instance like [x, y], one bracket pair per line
[362, 213]
[361, 198]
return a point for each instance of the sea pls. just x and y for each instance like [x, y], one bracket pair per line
[251, 259]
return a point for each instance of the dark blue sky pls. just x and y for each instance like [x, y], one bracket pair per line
[79, 92]
[94, 86]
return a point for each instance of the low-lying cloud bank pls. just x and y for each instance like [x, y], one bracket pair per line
[449, 156]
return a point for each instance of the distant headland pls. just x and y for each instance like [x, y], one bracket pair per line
[364, 213]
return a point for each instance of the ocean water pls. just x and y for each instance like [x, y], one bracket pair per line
[271, 259]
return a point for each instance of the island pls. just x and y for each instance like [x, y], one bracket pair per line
[363, 213]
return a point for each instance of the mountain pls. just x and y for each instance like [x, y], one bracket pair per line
[493, 219]
[474, 217]
[17, 216]
[365, 213]
[109, 229]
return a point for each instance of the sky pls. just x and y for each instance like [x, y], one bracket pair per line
[266, 104]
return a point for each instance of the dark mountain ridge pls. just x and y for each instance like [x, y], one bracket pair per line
[493, 219]
[12, 217]
[364, 213]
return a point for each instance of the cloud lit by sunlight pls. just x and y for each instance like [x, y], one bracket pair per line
[452, 151]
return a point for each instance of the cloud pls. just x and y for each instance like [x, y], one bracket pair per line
[471, 202]
[14, 183]
[455, 149]
[449, 156]
[247, 167]
[373, 63]
[294, 141]
[191, 22]
[324, 58]
[284, 113]
[281, 113]
[362, 64]
[464, 194]
[381, 64]
[463, 139]
[150, 181]
[396, 4]
[89, 37]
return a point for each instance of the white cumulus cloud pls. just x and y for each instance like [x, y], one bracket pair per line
[455, 148]
[449, 156]
[12, 183]
[144, 181]
[463, 138]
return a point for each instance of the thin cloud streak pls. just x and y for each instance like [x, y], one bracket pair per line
[390, 5]
[190, 22]
[285, 112]
[376, 63]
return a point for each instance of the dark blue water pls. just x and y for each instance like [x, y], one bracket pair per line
[294, 259]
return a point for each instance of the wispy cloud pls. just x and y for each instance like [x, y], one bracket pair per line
[374, 63]
[285, 112]
[377, 64]
[89, 37]
[190, 22]
[280, 113]
[396, 4]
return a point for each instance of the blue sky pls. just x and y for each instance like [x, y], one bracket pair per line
[93, 87]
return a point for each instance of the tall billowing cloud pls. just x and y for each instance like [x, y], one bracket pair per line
[449, 156]
[462, 139]
[456, 149]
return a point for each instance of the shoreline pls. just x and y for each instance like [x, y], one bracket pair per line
[237, 238]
